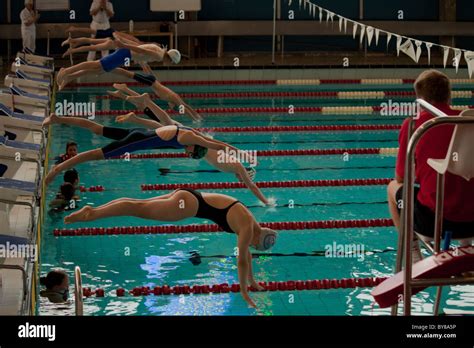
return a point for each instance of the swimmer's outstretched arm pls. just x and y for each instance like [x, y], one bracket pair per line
[91, 155]
[244, 262]
[187, 137]
[134, 46]
[244, 176]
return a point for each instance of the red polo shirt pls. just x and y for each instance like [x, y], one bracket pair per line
[459, 193]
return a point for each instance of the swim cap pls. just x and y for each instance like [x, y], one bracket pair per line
[174, 55]
[267, 239]
[252, 172]
[199, 152]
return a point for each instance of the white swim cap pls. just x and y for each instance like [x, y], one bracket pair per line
[267, 239]
[174, 55]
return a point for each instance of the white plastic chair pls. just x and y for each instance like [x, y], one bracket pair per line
[462, 145]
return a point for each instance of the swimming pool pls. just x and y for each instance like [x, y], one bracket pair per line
[128, 261]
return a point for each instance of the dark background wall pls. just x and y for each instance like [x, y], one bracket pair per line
[138, 10]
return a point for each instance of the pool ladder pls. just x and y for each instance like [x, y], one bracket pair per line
[78, 296]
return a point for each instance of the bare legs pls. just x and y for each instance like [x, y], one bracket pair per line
[175, 206]
[74, 121]
[100, 46]
[67, 75]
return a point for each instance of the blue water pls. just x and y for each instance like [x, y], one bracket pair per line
[127, 261]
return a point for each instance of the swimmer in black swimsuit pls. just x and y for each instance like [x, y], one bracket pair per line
[193, 142]
[231, 216]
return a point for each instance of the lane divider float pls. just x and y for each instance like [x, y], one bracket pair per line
[388, 151]
[267, 184]
[208, 228]
[224, 288]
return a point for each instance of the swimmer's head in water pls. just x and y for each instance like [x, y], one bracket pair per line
[266, 240]
[174, 55]
[196, 151]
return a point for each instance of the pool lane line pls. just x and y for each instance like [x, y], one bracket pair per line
[341, 95]
[229, 111]
[268, 184]
[284, 82]
[288, 285]
[167, 171]
[213, 228]
[389, 151]
[196, 258]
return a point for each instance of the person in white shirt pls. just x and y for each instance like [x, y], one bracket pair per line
[28, 18]
[101, 11]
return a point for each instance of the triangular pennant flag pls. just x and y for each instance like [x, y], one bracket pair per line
[445, 55]
[320, 14]
[469, 57]
[314, 11]
[408, 49]
[389, 37]
[310, 9]
[328, 15]
[377, 34]
[289, 2]
[340, 23]
[418, 50]
[345, 25]
[354, 29]
[331, 16]
[300, 3]
[370, 34]
[399, 42]
[428, 48]
[304, 5]
[457, 58]
[362, 33]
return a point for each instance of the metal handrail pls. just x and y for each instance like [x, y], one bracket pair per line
[408, 193]
[79, 303]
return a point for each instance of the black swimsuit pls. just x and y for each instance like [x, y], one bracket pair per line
[207, 211]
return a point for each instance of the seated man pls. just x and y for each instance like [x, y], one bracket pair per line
[435, 88]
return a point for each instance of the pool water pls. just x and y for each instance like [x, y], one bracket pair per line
[128, 261]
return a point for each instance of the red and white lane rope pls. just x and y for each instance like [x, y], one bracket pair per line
[208, 228]
[305, 94]
[273, 82]
[224, 288]
[389, 151]
[267, 184]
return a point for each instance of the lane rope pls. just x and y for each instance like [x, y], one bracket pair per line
[389, 151]
[224, 288]
[267, 184]
[213, 228]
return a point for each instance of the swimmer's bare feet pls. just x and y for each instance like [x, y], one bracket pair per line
[121, 87]
[117, 94]
[139, 100]
[51, 119]
[63, 83]
[70, 29]
[67, 53]
[59, 76]
[125, 118]
[83, 214]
